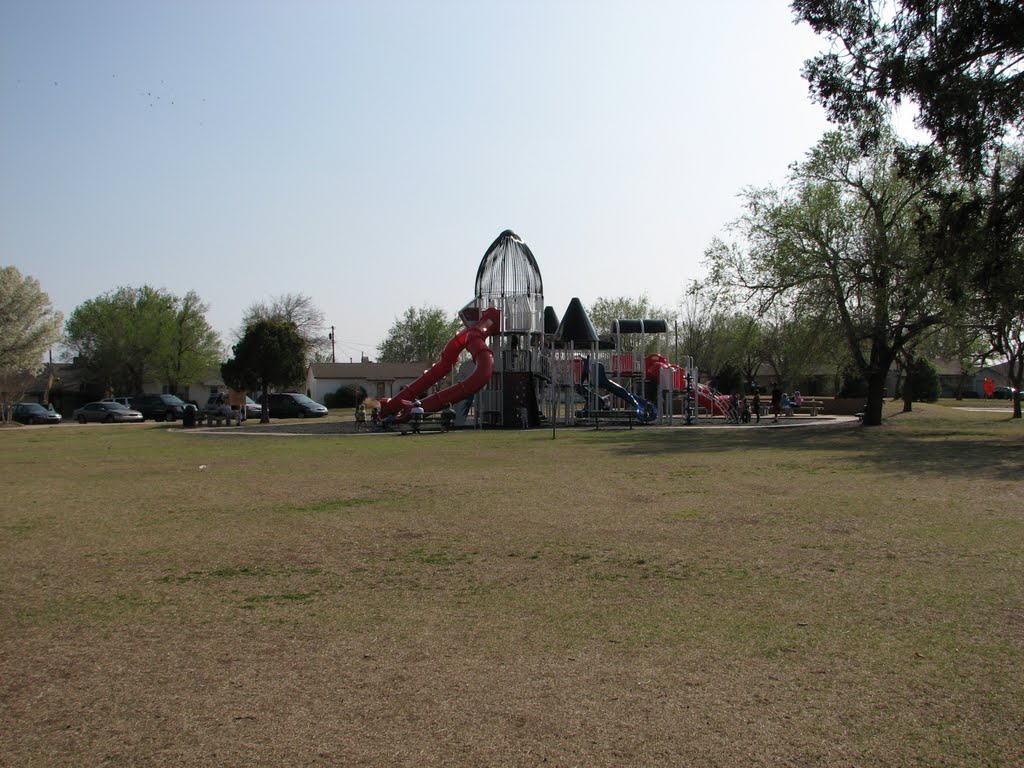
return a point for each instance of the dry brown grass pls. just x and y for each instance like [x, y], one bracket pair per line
[639, 598]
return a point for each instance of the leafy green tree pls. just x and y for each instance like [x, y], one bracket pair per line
[28, 327]
[922, 383]
[999, 284]
[270, 354]
[729, 378]
[700, 330]
[749, 346]
[132, 336]
[963, 342]
[793, 343]
[299, 310]
[193, 347]
[605, 309]
[844, 244]
[958, 61]
[1006, 334]
[420, 335]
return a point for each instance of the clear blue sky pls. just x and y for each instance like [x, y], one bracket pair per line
[366, 154]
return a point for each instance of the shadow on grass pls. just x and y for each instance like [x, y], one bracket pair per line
[903, 448]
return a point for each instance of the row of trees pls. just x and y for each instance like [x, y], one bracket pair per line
[129, 337]
[890, 243]
[29, 325]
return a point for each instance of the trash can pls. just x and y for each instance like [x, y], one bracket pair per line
[188, 416]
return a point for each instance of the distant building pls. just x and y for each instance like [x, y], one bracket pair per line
[378, 379]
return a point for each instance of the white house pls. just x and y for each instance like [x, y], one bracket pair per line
[378, 379]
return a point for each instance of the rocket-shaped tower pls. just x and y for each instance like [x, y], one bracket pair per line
[509, 280]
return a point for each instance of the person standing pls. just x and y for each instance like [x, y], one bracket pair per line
[416, 416]
[447, 417]
[756, 404]
[360, 418]
[776, 402]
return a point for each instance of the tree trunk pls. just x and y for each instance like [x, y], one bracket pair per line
[876, 399]
[265, 413]
[960, 382]
[908, 391]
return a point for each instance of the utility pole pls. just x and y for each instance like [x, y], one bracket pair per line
[332, 345]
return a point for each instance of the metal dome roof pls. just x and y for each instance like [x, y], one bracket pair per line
[508, 269]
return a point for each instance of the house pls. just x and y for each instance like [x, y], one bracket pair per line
[973, 385]
[378, 379]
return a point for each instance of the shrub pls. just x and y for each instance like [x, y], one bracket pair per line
[924, 381]
[729, 378]
[347, 396]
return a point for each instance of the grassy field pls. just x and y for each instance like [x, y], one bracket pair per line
[746, 597]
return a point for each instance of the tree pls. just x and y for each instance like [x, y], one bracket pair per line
[193, 348]
[699, 329]
[844, 244]
[271, 353]
[716, 336]
[999, 283]
[132, 336]
[749, 346]
[420, 335]
[958, 61]
[922, 382]
[299, 310]
[794, 342]
[28, 326]
[961, 63]
[605, 309]
[963, 342]
[1006, 334]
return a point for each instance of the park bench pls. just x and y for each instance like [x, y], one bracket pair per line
[808, 406]
[216, 418]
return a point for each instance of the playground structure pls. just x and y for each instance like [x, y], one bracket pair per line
[528, 368]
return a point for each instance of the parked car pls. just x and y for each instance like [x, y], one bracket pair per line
[1005, 393]
[106, 412]
[34, 413]
[125, 401]
[158, 407]
[286, 404]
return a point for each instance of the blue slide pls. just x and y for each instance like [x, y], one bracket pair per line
[646, 412]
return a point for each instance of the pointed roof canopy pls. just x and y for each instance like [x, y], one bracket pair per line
[576, 326]
[508, 269]
[550, 320]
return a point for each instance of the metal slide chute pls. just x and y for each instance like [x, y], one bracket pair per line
[473, 339]
[646, 412]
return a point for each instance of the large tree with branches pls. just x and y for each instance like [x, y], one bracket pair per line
[843, 245]
[961, 62]
[28, 326]
[419, 335]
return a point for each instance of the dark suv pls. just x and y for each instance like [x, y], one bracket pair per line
[285, 404]
[158, 407]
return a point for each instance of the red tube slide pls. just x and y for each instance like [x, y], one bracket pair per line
[474, 341]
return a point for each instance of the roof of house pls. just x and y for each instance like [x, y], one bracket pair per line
[368, 371]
